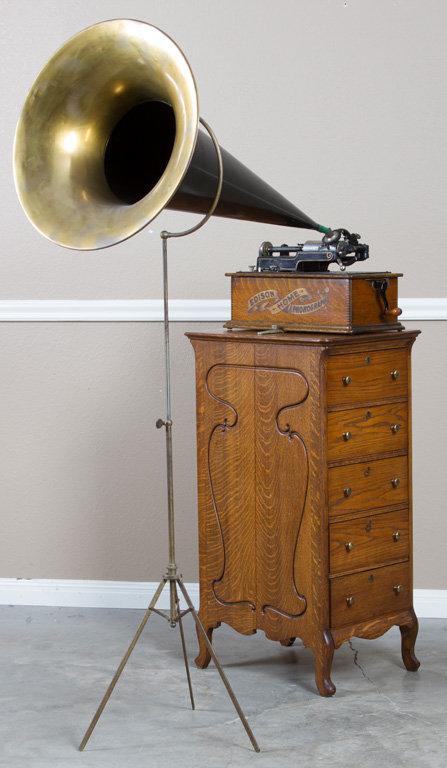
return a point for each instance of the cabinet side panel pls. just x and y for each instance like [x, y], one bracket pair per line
[290, 492]
[226, 492]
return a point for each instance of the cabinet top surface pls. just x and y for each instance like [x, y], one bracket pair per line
[320, 275]
[309, 339]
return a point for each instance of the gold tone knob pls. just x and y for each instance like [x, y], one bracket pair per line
[347, 492]
[349, 601]
[395, 428]
[396, 535]
[349, 546]
[397, 588]
[395, 375]
[395, 482]
[347, 436]
[346, 380]
[368, 359]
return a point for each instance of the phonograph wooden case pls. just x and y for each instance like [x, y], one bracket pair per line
[334, 302]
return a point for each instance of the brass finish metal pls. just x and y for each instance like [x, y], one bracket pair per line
[346, 380]
[173, 586]
[108, 137]
[395, 428]
[395, 482]
[347, 492]
[175, 615]
[349, 546]
[396, 536]
[395, 375]
[222, 674]
[88, 86]
[350, 601]
[347, 436]
[172, 576]
[397, 588]
[121, 666]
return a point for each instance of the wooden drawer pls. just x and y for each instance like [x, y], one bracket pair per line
[365, 431]
[368, 485]
[369, 594]
[367, 376]
[369, 541]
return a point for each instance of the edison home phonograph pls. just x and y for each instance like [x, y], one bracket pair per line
[304, 466]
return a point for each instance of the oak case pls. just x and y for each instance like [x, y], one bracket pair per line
[304, 489]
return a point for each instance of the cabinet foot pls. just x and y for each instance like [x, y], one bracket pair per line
[323, 650]
[204, 656]
[409, 634]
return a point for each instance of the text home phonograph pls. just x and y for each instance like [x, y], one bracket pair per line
[109, 136]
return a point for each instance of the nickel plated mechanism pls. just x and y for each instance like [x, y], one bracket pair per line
[338, 246]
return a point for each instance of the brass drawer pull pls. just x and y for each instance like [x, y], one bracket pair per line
[346, 380]
[349, 546]
[350, 601]
[347, 492]
[397, 589]
[395, 482]
[395, 375]
[396, 535]
[395, 428]
[347, 436]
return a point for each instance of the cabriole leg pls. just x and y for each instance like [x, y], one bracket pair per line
[204, 656]
[409, 634]
[323, 650]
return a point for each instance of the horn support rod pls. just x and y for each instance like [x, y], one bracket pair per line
[172, 575]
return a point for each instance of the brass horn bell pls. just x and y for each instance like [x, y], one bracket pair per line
[108, 137]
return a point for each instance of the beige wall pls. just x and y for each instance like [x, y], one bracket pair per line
[83, 489]
[361, 143]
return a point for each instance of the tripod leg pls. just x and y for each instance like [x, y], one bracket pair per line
[222, 674]
[123, 663]
[182, 636]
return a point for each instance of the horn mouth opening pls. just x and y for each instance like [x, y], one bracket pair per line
[138, 150]
[106, 134]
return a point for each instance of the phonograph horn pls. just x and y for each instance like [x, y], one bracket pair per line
[108, 137]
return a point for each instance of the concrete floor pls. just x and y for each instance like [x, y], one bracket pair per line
[57, 662]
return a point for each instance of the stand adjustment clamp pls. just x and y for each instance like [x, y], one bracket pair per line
[163, 423]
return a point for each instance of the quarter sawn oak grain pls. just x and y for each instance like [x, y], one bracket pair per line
[282, 493]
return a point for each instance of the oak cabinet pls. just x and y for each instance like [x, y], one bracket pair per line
[304, 487]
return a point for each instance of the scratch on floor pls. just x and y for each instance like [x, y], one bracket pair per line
[381, 693]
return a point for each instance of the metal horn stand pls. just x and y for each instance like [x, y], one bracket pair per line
[174, 616]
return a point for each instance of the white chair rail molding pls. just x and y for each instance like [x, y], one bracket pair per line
[151, 310]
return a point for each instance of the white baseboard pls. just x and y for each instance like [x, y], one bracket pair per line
[83, 593]
[151, 310]
[430, 603]
[80, 593]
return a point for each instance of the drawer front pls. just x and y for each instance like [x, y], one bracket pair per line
[368, 485]
[367, 376]
[369, 594]
[369, 541]
[364, 431]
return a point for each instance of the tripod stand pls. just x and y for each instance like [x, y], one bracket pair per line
[172, 576]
